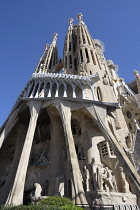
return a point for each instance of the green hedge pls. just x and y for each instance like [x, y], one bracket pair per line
[50, 203]
[56, 201]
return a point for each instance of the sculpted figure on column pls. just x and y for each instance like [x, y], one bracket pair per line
[86, 178]
[124, 183]
[99, 177]
[94, 173]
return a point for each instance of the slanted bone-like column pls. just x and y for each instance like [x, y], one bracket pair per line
[65, 113]
[16, 195]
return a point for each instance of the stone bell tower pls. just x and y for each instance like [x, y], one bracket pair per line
[66, 134]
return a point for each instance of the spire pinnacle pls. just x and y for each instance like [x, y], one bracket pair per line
[80, 19]
[54, 39]
[70, 23]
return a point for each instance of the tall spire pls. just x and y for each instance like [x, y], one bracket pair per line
[49, 58]
[70, 63]
[85, 49]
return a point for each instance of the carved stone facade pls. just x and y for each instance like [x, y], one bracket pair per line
[72, 131]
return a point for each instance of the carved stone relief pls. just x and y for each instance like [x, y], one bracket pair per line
[40, 159]
[105, 179]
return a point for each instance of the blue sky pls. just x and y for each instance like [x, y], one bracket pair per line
[27, 25]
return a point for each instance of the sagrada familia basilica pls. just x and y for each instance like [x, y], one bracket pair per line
[74, 130]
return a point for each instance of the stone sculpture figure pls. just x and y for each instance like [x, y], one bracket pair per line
[86, 178]
[124, 184]
[38, 190]
[99, 177]
[94, 173]
[107, 180]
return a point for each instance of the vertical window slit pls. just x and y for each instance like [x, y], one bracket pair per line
[81, 55]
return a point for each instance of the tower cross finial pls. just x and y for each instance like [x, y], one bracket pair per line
[80, 19]
[70, 23]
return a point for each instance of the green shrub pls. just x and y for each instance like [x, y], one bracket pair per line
[55, 201]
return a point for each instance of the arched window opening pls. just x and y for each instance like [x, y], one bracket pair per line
[61, 91]
[40, 94]
[36, 88]
[93, 58]
[75, 62]
[69, 46]
[70, 61]
[84, 41]
[87, 56]
[99, 95]
[31, 90]
[46, 91]
[69, 91]
[54, 87]
[81, 55]
[74, 42]
[90, 72]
